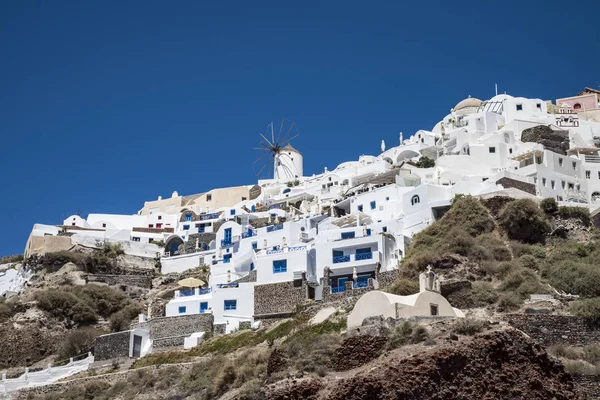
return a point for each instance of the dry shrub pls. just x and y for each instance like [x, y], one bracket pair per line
[468, 326]
[403, 287]
[77, 342]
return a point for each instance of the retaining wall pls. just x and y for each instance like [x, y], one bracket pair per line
[111, 346]
[556, 329]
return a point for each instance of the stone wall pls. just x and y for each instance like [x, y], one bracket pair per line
[251, 277]
[180, 326]
[513, 183]
[172, 341]
[245, 325]
[219, 329]
[278, 298]
[386, 278]
[192, 243]
[113, 345]
[128, 280]
[556, 329]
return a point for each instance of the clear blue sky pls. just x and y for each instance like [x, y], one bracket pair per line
[106, 104]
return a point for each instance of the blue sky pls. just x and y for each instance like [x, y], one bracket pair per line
[107, 104]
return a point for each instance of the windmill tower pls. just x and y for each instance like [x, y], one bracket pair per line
[285, 161]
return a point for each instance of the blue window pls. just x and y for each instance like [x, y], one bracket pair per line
[203, 307]
[227, 235]
[232, 212]
[200, 228]
[186, 227]
[373, 205]
[253, 208]
[254, 245]
[338, 253]
[368, 231]
[181, 309]
[227, 258]
[348, 235]
[251, 266]
[188, 217]
[287, 190]
[363, 250]
[360, 208]
[230, 304]
[387, 199]
[384, 229]
[279, 266]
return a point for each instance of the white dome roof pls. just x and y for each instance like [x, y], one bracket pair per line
[467, 103]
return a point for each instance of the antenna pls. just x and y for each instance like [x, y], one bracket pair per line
[496, 89]
[273, 148]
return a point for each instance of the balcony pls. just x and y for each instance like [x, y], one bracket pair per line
[361, 258]
[248, 234]
[206, 217]
[341, 259]
[360, 285]
[274, 228]
[228, 285]
[285, 250]
[226, 243]
[192, 292]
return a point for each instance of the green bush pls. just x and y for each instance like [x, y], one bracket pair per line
[528, 261]
[15, 258]
[484, 294]
[468, 327]
[495, 246]
[103, 299]
[519, 249]
[523, 282]
[65, 305]
[425, 162]
[510, 302]
[549, 206]
[77, 342]
[121, 320]
[580, 213]
[587, 308]
[403, 287]
[406, 333]
[574, 276]
[522, 220]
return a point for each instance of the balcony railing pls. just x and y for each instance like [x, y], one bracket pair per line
[226, 243]
[274, 228]
[228, 285]
[248, 234]
[352, 257]
[205, 217]
[341, 259]
[192, 292]
[363, 256]
[338, 289]
[360, 284]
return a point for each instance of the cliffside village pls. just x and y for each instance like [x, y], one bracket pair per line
[340, 234]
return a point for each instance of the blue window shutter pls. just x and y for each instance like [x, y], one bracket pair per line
[181, 309]
[232, 212]
[230, 304]
[373, 205]
[251, 266]
[279, 266]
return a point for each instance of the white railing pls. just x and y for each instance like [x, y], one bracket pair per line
[284, 250]
[46, 376]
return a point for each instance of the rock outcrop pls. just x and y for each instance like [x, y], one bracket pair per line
[494, 365]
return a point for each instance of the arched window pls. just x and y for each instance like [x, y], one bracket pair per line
[287, 190]
[576, 106]
[415, 200]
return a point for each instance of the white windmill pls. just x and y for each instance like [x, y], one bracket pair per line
[286, 162]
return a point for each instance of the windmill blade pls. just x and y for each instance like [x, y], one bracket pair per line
[280, 129]
[261, 148]
[289, 140]
[263, 168]
[272, 133]
[288, 132]
[267, 140]
[260, 158]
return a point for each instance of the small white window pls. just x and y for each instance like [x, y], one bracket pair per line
[415, 200]
[552, 183]
[544, 181]
[519, 107]
[492, 149]
[560, 162]
[588, 174]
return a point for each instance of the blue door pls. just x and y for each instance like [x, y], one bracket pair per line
[203, 307]
[227, 237]
[342, 284]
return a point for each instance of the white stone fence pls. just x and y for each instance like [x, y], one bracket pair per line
[46, 376]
